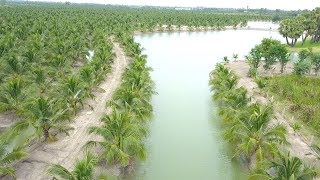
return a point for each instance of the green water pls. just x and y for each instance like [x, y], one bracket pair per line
[185, 140]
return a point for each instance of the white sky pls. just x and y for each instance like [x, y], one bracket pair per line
[270, 4]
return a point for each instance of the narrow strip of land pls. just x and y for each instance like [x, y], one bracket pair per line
[68, 149]
[299, 146]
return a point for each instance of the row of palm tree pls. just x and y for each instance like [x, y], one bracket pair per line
[44, 75]
[257, 142]
[122, 131]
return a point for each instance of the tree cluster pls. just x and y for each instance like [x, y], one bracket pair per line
[307, 24]
[257, 143]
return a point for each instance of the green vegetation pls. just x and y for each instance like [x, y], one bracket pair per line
[307, 45]
[53, 56]
[247, 127]
[300, 94]
[305, 25]
[83, 169]
[285, 167]
[270, 51]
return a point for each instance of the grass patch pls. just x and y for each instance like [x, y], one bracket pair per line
[298, 47]
[301, 95]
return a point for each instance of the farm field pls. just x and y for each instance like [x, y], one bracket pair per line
[93, 91]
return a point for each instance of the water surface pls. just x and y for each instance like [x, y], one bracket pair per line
[185, 142]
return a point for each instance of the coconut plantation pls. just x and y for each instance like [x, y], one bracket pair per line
[148, 90]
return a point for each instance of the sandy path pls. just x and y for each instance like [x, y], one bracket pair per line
[68, 149]
[299, 146]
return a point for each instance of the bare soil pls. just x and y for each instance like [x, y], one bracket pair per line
[70, 148]
[299, 146]
[7, 119]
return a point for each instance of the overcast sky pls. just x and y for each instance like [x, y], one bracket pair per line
[270, 4]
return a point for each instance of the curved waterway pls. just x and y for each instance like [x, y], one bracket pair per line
[185, 141]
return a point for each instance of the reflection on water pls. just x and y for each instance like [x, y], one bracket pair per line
[185, 140]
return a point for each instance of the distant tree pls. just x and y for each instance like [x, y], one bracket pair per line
[225, 59]
[276, 18]
[309, 24]
[291, 29]
[235, 57]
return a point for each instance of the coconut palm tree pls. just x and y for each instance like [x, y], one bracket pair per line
[133, 100]
[12, 95]
[222, 79]
[288, 167]
[39, 77]
[122, 138]
[235, 98]
[84, 169]
[10, 150]
[46, 114]
[8, 157]
[254, 137]
[284, 167]
[73, 91]
[136, 90]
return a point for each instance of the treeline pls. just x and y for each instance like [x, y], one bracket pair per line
[257, 142]
[306, 25]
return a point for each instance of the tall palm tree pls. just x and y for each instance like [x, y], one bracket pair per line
[84, 169]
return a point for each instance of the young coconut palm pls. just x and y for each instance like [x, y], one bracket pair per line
[122, 138]
[288, 167]
[284, 167]
[74, 93]
[11, 95]
[8, 157]
[83, 170]
[10, 150]
[255, 138]
[46, 114]
[133, 100]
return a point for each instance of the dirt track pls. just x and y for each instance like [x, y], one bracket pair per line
[68, 149]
